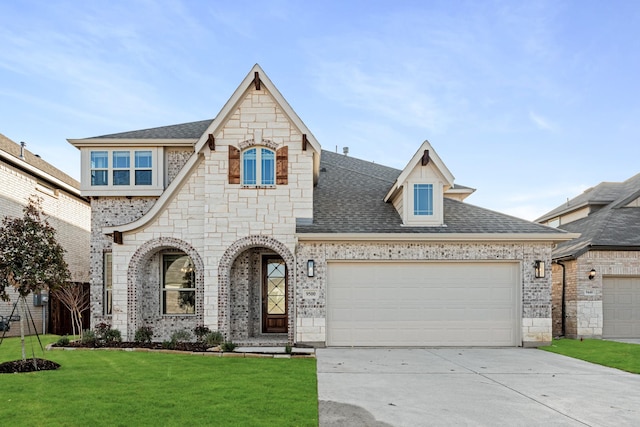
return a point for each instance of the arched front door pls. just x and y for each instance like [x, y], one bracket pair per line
[274, 294]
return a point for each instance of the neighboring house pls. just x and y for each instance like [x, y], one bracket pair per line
[23, 174]
[596, 278]
[245, 225]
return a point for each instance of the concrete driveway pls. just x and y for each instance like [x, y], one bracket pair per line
[471, 386]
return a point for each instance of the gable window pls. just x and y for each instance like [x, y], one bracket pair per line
[178, 284]
[422, 199]
[258, 167]
[107, 284]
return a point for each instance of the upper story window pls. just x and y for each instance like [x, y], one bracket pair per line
[122, 171]
[422, 199]
[258, 167]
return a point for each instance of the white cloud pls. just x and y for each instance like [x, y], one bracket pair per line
[541, 122]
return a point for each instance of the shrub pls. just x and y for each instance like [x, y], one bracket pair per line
[170, 345]
[200, 332]
[112, 335]
[287, 349]
[228, 346]
[101, 330]
[213, 338]
[181, 336]
[88, 337]
[63, 341]
[144, 334]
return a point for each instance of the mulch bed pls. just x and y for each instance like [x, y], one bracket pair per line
[29, 365]
[180, 346]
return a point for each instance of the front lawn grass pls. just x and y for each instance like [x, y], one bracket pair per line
[121, 388]
[608, 353]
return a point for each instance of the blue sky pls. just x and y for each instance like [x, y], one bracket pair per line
[529, 102]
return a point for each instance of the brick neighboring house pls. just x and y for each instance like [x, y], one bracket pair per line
[598, 275]
[244, 224]
[23, 174]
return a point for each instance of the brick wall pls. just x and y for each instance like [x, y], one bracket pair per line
[536, 293]
[67, 213]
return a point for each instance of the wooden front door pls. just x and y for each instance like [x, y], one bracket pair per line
[274, 294]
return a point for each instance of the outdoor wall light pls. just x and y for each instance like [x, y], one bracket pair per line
[592, 274]
[311, 268]
[539, 269]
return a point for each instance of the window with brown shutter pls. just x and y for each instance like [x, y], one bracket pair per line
[282, 166]
[234, 165]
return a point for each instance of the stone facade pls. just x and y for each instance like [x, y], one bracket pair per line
[536, 293]
[583, 297]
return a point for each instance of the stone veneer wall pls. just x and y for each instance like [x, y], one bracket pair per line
[175, 160]
[108, 211]
[311, 291]
[216, 218]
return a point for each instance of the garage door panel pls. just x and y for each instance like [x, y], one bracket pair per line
[621, 307]
[422, 304]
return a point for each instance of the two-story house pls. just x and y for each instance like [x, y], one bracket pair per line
[22, 175]
[245, 225]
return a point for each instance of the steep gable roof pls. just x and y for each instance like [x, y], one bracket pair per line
[349, 199]
[613, 227]
[425, 150]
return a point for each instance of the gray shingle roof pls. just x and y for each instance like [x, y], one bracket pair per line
[614, 226]
[192, 130]
[349, 199]
[600, 195]
[10, 147]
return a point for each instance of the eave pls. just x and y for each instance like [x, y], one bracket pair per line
[133, 142]
[437, 237]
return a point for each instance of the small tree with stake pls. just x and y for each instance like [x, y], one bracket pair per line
[31, 260]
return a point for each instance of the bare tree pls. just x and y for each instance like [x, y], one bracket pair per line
[31, 259]
[74, 297]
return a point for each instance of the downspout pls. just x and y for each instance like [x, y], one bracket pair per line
[562, 309]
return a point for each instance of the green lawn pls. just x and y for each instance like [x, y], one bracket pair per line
[608, 353]
[119, 388]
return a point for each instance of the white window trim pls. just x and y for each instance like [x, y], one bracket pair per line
[258, 183]
[410, 219]
[157, 173]
[105, 289]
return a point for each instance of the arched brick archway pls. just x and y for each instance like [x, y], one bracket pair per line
[139, 261]
[224, 282]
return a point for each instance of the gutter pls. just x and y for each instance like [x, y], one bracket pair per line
[562, 306]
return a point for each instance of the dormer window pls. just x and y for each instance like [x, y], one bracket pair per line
[422, 199]
[258, 167]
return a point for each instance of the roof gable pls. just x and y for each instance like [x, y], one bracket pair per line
[425, 155]
[258, 78]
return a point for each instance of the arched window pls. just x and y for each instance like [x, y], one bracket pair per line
[258, 167]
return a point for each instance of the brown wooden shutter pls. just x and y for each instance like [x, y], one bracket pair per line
[282, 166]
[234, 165]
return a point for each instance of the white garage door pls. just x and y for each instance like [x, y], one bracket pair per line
[423, 304]
[621, 307]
